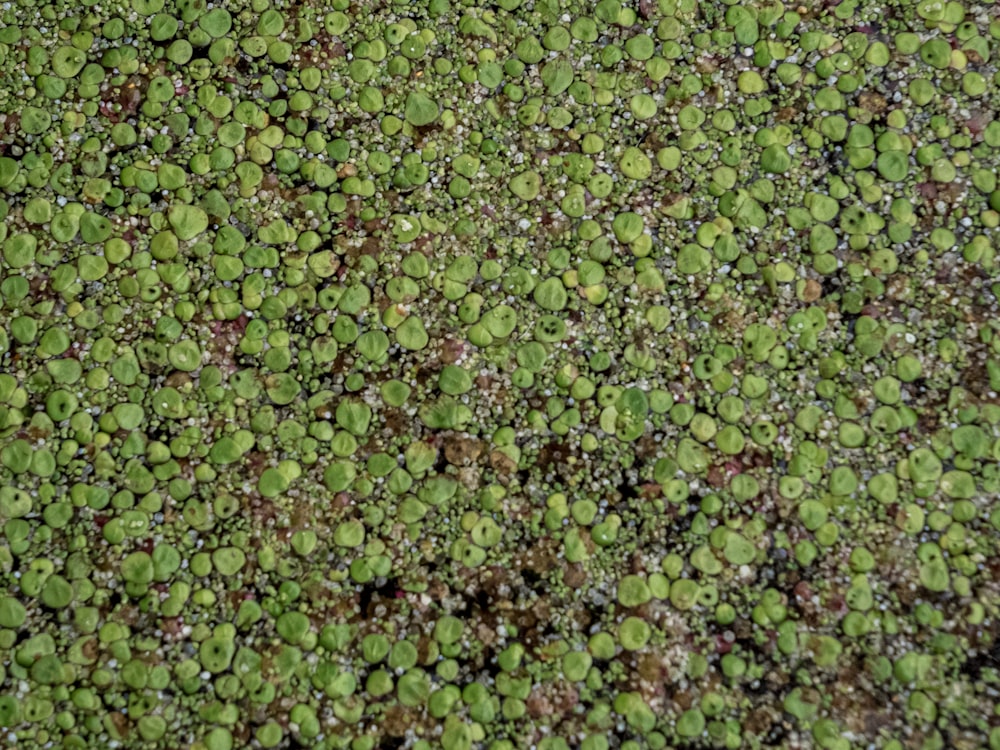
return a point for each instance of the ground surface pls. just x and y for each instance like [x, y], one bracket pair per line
[510, 374]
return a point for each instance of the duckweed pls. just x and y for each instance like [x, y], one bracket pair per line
[447, 376]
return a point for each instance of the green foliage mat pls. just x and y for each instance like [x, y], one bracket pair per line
[502, 375]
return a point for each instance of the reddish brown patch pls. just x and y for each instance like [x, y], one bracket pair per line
[451, 350]
[461, 450]
[90, 649]
[786, 114]
[120, 721]
[172, 626]
[575, 575]
[502, 464]
[12, 123]
[130, 96]
[108, 112]
[558, 699]
[650, 491]
[650, 667]
[397, 720]
[716, 476]
[873, 102]
[759, 722]
[812, 291]
[803, 592]
[837, 604]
